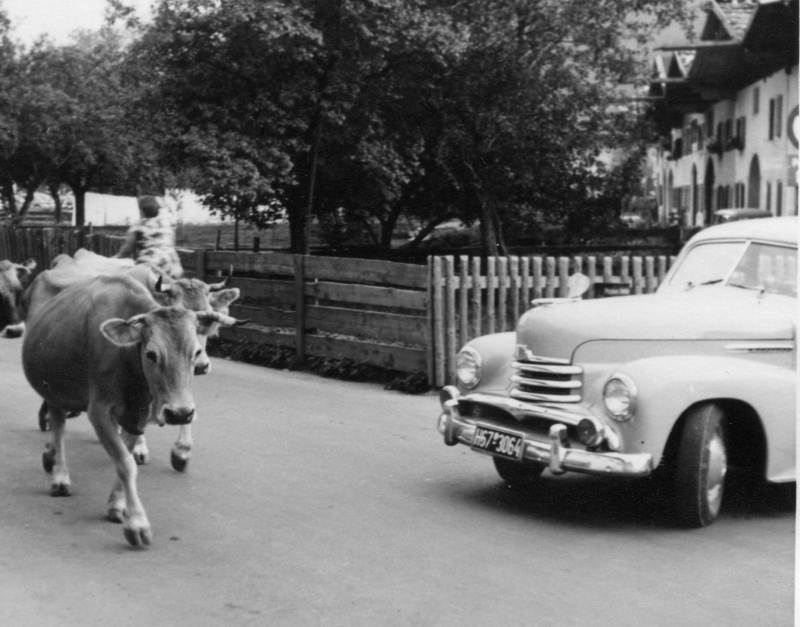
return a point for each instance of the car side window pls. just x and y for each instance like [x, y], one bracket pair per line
[708, 263]
[769, 268]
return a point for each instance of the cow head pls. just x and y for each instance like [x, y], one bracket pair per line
[168, 350]
[198, 296]
[14, 278]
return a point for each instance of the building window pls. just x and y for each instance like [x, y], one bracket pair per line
[756, 95]
[741, 127]
[775, 117]
[769, 196]
[739, 192]
[710, 122]
[771, 118]
[779, 198]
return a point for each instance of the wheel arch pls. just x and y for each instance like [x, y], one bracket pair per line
[746, 439]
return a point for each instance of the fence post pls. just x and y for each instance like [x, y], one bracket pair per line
[200, 264]
[300, 310]
[450, 316]
[438, 329]
[463, 300]
[431, 327]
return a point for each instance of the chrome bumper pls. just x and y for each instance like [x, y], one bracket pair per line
[555, 454]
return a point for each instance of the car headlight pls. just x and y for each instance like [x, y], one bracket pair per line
[468, 367]
[619, 396]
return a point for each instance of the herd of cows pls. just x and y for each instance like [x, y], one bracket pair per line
[113, 339]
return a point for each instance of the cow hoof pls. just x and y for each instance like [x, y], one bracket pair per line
[48, 461]
[178, 462]
[60, 489]
[138, 537]
[116, 515]
[141, 458]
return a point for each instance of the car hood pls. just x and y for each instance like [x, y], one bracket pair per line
[705, 313]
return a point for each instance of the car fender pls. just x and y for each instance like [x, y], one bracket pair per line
[497, 353]
[668, 386]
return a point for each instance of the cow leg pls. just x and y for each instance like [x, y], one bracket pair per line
[116, 500]
[141, 454]
[54, 460]
[136, 527]
[182, 449]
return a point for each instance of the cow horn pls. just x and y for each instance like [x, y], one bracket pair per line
[216, 287]
[160, 285]
[215, 316]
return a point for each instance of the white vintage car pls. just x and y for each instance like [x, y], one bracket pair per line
[688, 381]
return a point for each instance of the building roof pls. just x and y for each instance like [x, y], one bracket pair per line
[740, 43]
[735, 16]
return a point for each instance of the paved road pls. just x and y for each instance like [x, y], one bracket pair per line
[312, 501]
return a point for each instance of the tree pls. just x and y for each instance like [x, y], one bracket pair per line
[64, 121]
[271, 100]
[432, 108]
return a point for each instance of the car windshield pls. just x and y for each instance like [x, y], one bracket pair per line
[750, 265]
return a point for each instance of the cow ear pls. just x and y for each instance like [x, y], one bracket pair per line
[24, 270]
[122, 332]
[223, 298]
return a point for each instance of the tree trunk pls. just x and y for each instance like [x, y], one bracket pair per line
[387, 228]
[312, 183]
[297, 231]
[57, 202]
[80, 206]
[10, 198]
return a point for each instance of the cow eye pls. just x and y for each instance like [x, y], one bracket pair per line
[151, 355]
[198, 353]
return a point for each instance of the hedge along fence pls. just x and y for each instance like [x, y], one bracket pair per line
[471, 296]
[373, 312]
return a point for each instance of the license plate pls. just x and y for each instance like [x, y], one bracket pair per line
[499, 442]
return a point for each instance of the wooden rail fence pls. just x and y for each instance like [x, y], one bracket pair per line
[407, 317]
[373, 312]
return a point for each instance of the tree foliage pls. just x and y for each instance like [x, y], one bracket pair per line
[65, 120]
[373, 109]
[360, 112]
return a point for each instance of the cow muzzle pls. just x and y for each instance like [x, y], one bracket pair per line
[178, 415]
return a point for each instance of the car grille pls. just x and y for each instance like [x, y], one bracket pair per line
[546, 380]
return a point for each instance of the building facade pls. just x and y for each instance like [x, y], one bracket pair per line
[727, 108]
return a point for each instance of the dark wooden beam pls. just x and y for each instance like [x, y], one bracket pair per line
[701, 45]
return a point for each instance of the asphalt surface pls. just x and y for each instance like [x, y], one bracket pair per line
[311, 501]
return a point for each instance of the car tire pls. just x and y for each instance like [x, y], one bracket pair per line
[517, 475]
[701, 465]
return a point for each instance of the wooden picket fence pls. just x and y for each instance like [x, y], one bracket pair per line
[406, 317]
[473, 296]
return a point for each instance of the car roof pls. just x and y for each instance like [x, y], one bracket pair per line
[742, 212]
[782, 230]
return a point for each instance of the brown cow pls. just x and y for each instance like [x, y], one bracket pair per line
[189, 293]
[14, 278]
[129, 361]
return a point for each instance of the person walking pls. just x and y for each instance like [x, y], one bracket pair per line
[152, 240]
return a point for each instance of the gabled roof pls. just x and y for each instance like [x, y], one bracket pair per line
[732, 18]
[740, 43]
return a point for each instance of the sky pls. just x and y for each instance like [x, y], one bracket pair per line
[57, 18]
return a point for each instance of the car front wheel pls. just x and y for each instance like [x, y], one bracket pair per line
[517, 475]
[702, 463]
